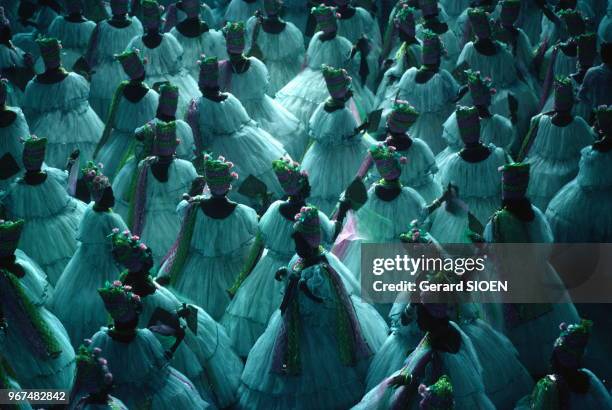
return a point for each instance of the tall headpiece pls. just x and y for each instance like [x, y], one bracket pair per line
[10, 232]
[480, 88]
[50, 51]
[307, 224]
[234, 37]
[564, 94]
[401, 118]
[438, 396]
[34, 150]
[469, 124]
[119, 301]
[132, 64]
[94, 179]
[479, 21]
[209, 72]
[326, 19]
[165, 142]
[337, 80]
[218, 174]
[288, 173]
[168, 99]
[515, 180]
[431, 48]
[93, 374]
[388, 162]
[404, 21]
[128, 250]
[571, 344]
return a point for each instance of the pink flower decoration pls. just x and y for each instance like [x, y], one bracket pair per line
[117, 283]
[115, 230]
[143, 246]
[102, 361]
[97, 350]
[135, 237]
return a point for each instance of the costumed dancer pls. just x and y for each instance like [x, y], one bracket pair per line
[164, 56]
[73, 30]
[358, 26]
[126, 178]
[604, 31]
[166, 112]
[318, 345]
[256, 294]
[35, 347]
[13, 130]
[552, 146]
[420, 166]
[495, 61]
[133, 105]
[221, 125]
[431, 90]
[389, 209]
[15, 64]
[506, 30]
[159, 187]
[569, 386]
[137, 360]
[333, 160]
[93, 383]
[197, 38]
[205, 356]
[473, 170]
[56, 105]
[495, 129]
[302, 95]
[213, 243]
[92, 264]
[278, 43]
[247, 79]
[530, 327]
[401, 57]
[579, 211]
[432, 22]
[41, 199]
[109, 38]
[445, 349]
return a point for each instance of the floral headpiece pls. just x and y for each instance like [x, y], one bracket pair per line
[123, 305]
[93, 374]
[307, 224]
[402, 117]
[94, 179]
[234, 37]
[438, 396]
[571, 344]
[326, 18]
[481, 89]
[129, 251]
[288, 173]
[388, 161]
[337, 80]
[218, 174]
[479, 21]
[404, 20]
[132, 64]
